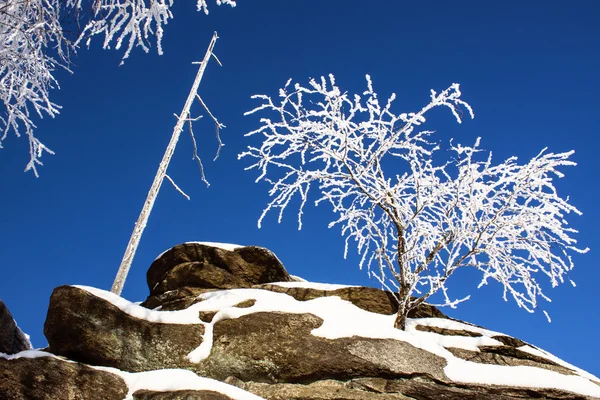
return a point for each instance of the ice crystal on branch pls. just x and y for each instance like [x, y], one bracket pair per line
[134, 22]
[414, 220]
[32, 47]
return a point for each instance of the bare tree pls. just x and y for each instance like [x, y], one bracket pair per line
[161, 173]
[415, 220]
[34, 44]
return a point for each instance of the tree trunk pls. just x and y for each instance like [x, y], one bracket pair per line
[400, 321]
[403, 306]
[140, 225]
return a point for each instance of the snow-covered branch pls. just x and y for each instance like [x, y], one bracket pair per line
[32, 48]
[34, 45]
[134, 22]
[418, 219]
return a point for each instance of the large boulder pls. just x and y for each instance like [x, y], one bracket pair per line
[48, 378]
[92, 330]
[205, 266]
[12, 339]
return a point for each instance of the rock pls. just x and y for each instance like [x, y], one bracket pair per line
[505, 355]
[278, 347]
[510, 341]
[263, 340]
[387, 389]
[431, 390]
[180, 395]
[12, 339]
[204, 266]
[320, 390]
[366, 298]
[177, 299]
[91, 330]
[447, 332]
[48, 378]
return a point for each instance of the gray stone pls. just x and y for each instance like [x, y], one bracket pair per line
[48, 378]
[91, 330]
[12, 339]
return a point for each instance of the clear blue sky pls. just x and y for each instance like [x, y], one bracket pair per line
[529, 69]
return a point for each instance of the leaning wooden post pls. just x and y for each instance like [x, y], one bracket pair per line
[140, 225]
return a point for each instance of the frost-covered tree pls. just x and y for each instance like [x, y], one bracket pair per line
[37, 38]
[32, 46]
[415, 217]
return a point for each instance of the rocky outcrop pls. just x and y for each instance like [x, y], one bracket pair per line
[91, 330]
[386, 389]
[199, 265]
[12, 339]
[48, 378]
[288, 340]
[268, 347]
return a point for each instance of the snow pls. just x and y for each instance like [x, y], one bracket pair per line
[224, 246]
[159, 380]
[298, 278]
[552, 357]
[312, 285]
[27, 354]
[164, 380]
[26, 336]
[343, 319]
[187, 316]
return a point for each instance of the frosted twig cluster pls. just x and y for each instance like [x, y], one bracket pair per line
[28, 29]
[415, 220]
[134, 22]
[34, 44]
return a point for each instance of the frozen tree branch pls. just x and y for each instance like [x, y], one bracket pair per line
[177, 187]
[419, 219]
[218, 125]
[134, 22]
[195, 155]
[34, 45]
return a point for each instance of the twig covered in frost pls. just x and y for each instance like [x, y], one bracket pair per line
[34, 44]
[28, 30]
[415, 221]
[134, 22]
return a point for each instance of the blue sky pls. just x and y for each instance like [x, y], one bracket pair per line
[529, 70]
